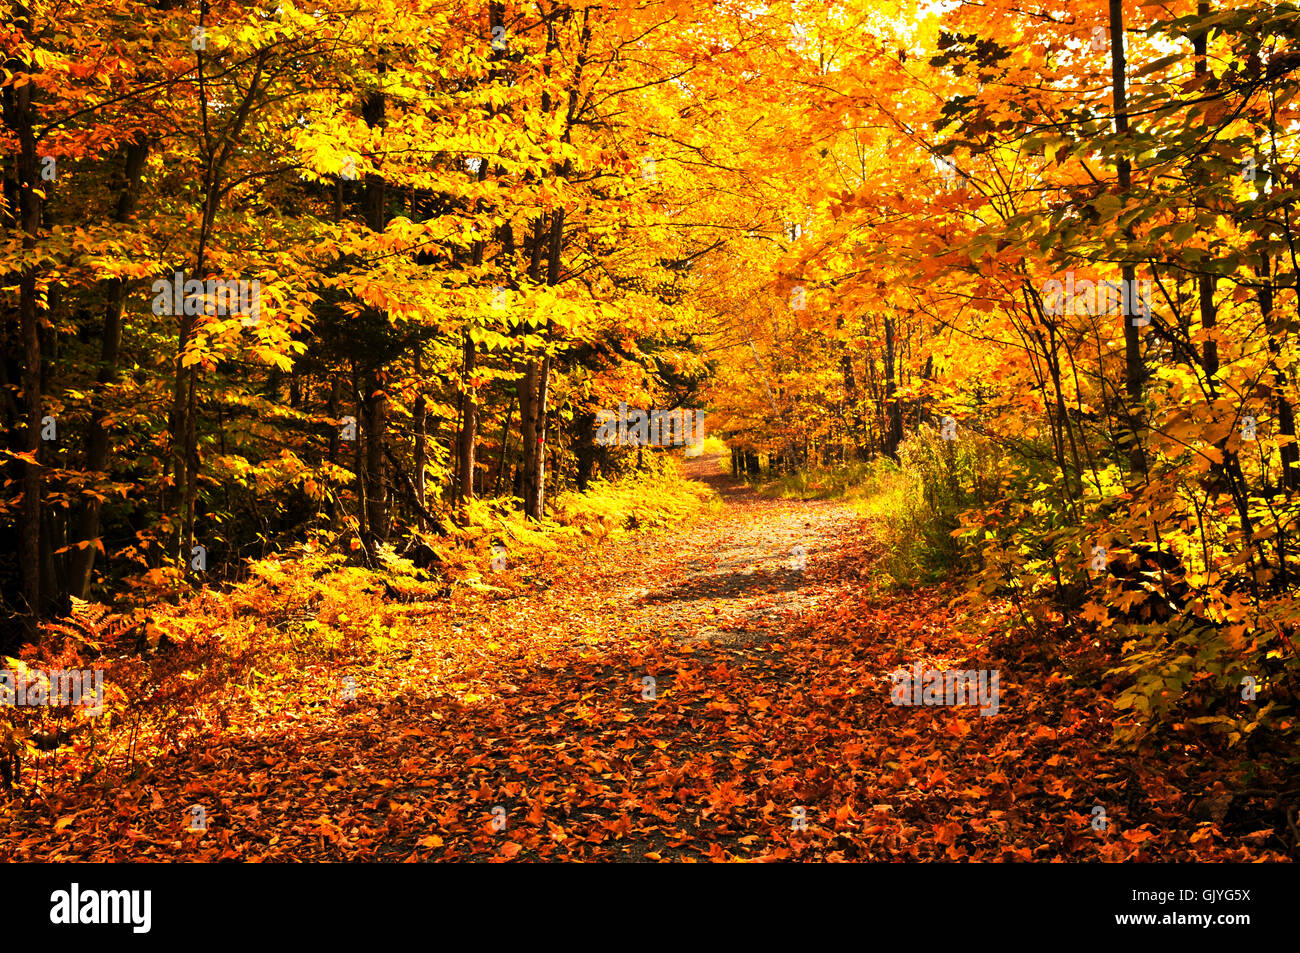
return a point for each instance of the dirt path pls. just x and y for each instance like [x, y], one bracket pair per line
[736, 577]
[691, 694]
[533, 699]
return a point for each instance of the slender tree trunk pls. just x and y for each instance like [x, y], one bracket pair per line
[419, 452]
[469, 390]
[375, 399]
[584, 446]
[852, 407]
[97, 442]
[527, 384]
[20, 119]
[535, 481]
[505, 442]
[893, 411]
[376, 410]
[1134, 371]
[335, 401]
[358, 456]
[468, 424]
[1276, 330]
[1205, 282]
[535, 458]
[182, 423]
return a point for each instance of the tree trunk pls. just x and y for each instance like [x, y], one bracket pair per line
[893, 410]
[1134, 371]
[88, 532]
[527, 384]
[376, 410]
[419, 452]
[335, 401]
[535, 478]
[505, 444]
[584, 446]
[468, 424]
[375, 400]
[19, 118]
[359, 457]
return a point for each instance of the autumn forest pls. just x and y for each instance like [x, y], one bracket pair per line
[649, 430]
